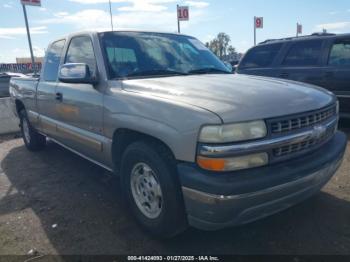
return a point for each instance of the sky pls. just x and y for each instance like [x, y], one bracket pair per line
[56, 18]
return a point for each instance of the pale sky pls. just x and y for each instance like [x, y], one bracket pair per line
[207, 18]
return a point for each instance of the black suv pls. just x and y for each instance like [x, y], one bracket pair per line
[319, 59]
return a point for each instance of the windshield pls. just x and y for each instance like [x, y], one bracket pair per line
[137, 54]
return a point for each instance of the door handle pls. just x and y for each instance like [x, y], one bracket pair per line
[59, 96]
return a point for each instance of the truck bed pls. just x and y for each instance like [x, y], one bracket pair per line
[24, 89]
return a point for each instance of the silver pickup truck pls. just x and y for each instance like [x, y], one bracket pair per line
[192, 143]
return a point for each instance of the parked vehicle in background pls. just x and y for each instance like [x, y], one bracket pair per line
[5, 82]
[319, 59]
[192, 142]
[35, 75]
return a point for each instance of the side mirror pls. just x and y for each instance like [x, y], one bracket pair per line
[76, 73]
[234, 68]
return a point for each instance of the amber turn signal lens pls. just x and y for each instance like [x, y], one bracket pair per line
[233, 163]
[214, 164]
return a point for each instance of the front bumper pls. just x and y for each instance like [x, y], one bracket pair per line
[215, 201]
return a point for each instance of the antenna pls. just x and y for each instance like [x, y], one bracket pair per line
[110, 12]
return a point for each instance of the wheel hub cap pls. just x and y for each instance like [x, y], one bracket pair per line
[146, 190]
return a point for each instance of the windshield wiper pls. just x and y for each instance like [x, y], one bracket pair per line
[208, 70]
[156, 72]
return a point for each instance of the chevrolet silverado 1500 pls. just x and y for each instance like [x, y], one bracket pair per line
[193, 144]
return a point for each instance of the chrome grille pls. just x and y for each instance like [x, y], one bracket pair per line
[304, 145]
[302, 121]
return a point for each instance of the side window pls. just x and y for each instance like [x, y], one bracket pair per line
[340, 54]
[261, 56]
[52, 63]
[304, 53]
[80, 50]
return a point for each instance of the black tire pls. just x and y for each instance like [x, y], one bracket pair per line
[34, 141]
[172, 219]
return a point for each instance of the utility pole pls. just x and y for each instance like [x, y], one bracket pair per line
[29, 40]
[254, 30]
[110, 12]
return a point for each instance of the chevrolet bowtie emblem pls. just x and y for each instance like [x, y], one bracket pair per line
[319, 131]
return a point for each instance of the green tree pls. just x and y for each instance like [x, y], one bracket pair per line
[221, 47]
[223, 43]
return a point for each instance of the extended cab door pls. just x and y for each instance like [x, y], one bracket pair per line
[79, 109]
[337, 73]
[46, 90]
[303, 62]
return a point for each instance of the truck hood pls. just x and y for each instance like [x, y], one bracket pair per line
[236, 97]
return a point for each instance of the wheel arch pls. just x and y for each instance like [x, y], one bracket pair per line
[19, 106]
[123, 137]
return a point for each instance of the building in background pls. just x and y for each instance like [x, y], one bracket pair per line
[26, 60]
[22, 65]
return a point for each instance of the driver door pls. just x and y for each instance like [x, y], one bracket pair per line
[79, 107]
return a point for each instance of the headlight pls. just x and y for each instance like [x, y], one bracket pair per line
[233, 132]
[233, 163]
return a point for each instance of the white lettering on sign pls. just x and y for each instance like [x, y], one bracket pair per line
[183, 13]
[31, 2]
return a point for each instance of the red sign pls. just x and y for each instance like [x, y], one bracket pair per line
[183, 13]
[31, 2]
[259, 22]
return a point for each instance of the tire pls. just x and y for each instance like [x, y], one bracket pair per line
[32, 139]
[139, 158]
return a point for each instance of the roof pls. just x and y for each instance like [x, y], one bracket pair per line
[90, 32]
[126, 31]
[306, 37]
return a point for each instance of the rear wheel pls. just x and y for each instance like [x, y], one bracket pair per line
[32, 139]
[151, 189]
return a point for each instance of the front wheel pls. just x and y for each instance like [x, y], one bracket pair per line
[151, 189]
[32, 139]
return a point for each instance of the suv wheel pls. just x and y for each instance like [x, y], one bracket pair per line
[151, 189]
[32, 139]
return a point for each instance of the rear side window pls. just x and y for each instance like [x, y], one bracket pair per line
[340, 54]
[53, 57]
[80, 50]
[261, 56]
[306, 53]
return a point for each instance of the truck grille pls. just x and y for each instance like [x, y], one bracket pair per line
[304, 145]
[302, 121]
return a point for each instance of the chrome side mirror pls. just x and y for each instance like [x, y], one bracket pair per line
[76, 73]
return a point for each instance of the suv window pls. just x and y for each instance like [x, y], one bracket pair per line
[340, 54]
[261, 56]
[53, 57]
[80, 50]
[304, 53]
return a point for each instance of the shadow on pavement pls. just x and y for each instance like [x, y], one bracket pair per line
[64, 189]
